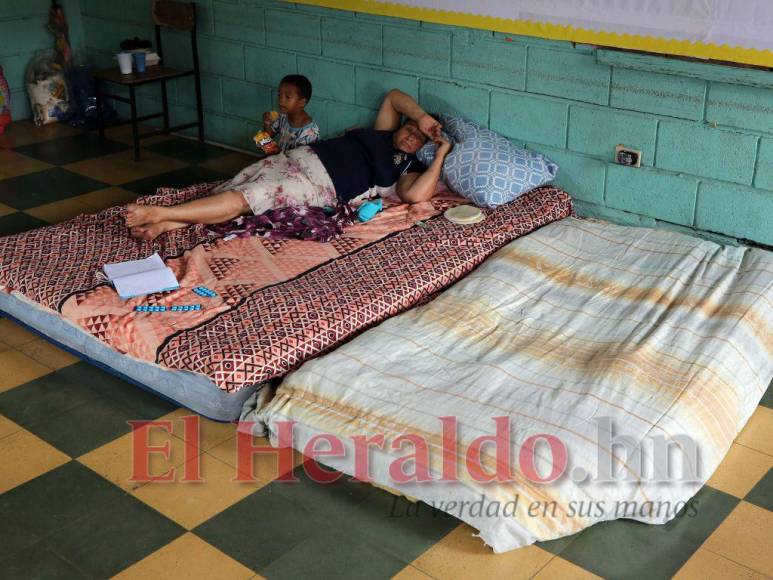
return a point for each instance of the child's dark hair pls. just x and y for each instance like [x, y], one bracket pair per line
[301, 83]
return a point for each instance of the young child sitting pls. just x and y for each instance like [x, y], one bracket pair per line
[292, 126]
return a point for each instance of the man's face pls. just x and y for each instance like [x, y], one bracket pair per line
[408, 138]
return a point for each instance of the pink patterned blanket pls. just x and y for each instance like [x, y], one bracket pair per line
[278, 302]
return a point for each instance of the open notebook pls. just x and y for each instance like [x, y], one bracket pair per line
[140, 277]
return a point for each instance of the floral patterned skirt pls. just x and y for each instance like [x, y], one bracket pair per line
[293, 178]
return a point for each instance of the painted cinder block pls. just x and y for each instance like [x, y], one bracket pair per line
[353, 41]
[294, 31]
[530, 117]
[342, 117]
[99, 33]
[764, 175]
[239, 22]
[268, 66]
[494, 62]
[421, 51]
[581, 176]
[625, 218]
[184, 92]
[742, 212]
[329, 80]
[441, 97]
[739, 106]
[661, 94]
[232, 131]
[567, 74]
[222, 58]
[131, 10]
[247, 100]
[14, 68]
[699, 149]
[372, 84]
[664, 196]
[596, 131]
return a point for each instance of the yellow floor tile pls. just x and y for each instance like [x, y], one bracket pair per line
[13, 164]
[231, 163]
[740, 470]
[462, 555]
[46, 353]
[59, 211]
[121, 167]
[744, 537]
[108, 197]
[22, 133]
[190, 504]
[7, 427]
[264, 465]
[23, 456]
[18, 369]
[706, 565]
[211, 433]
[187, 557]
[758, 433]
[114, 460]
[15, 335]
[6, 210]
[558, 569]
[411, 573]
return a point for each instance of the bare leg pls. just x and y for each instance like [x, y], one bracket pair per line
[150, 232]
[213, 209]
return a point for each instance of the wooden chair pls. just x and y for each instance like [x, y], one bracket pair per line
[166, 14]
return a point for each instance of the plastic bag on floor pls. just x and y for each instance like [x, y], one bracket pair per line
[82, 109]
[46, 88]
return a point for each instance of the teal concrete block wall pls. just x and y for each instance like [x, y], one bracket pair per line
[706, 136]
[22, 33]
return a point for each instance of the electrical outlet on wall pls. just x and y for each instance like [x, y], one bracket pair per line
[627, 156]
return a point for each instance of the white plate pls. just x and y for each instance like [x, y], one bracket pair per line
[464, 214]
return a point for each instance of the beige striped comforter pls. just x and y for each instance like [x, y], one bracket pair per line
[584, 331]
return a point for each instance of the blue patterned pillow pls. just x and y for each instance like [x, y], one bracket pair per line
[485, 167]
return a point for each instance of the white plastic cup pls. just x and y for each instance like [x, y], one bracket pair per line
[125, 62]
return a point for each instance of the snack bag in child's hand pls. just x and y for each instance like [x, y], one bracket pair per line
[265, 143]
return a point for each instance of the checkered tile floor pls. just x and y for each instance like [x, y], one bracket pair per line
[68, 509]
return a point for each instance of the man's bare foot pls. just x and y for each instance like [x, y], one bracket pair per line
[150, 232]
[139, 215]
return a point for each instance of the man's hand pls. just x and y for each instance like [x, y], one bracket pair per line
[429, 126]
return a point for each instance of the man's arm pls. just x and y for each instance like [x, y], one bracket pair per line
[395, 105]
[418, 187]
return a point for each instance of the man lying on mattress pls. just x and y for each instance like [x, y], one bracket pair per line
[325, 173]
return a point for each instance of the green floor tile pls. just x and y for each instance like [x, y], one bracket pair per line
[767, 398]
[259, 529]
[80, 407]
[41, 187]
[393, 525]
[39, 562]
[629, 549]
[389, 532]
[334, 554]
[57, 499]
[180, 178]
[18, 222]
[86, 520]
[141, 403]
[762, 493]
[14, 537]
[109, 539]
[187, 150]
[71, 149]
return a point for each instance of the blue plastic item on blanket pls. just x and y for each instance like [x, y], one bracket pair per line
[369, 209]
